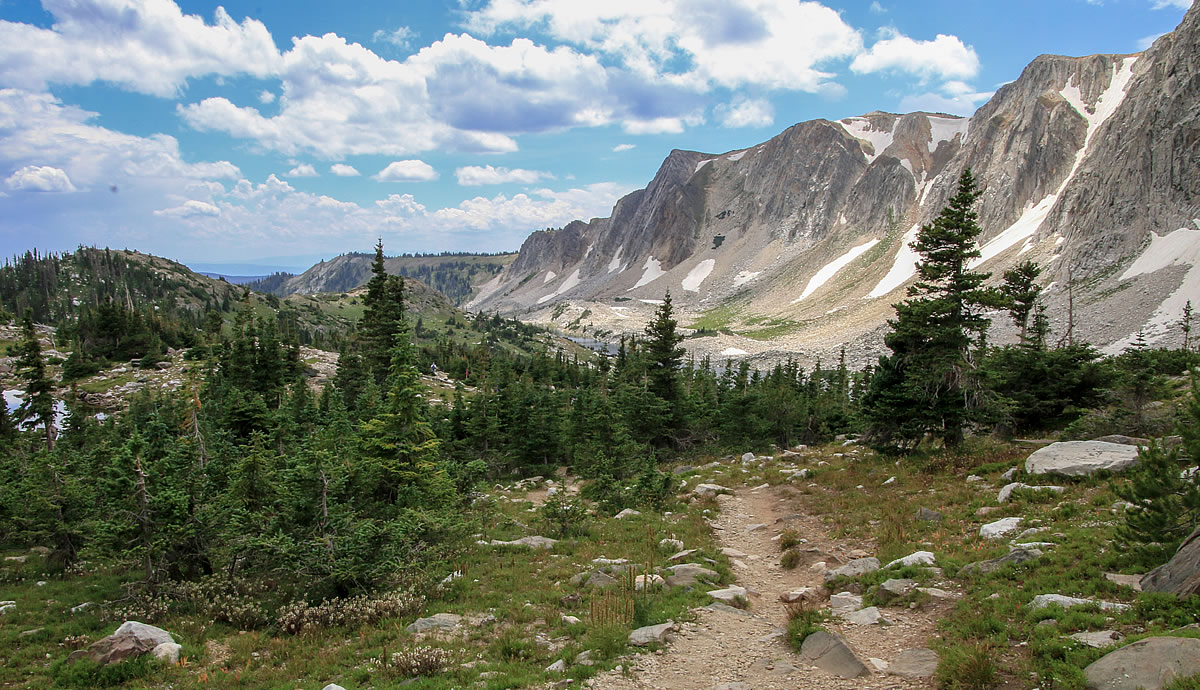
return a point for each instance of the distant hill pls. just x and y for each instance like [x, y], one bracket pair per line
[236, 280]
[456, 275]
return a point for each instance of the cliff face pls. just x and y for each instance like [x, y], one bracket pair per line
[1080, 161]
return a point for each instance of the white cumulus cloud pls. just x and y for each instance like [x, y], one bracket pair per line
[147, 46]
[477, 175]
[343, 170]
[265, 97]
[39, 178]
[624, 147]
[190, 209]
[303, 170]
[406, 171]
[944, 57]
[746, 112]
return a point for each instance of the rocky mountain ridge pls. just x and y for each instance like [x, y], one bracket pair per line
[1088, 166]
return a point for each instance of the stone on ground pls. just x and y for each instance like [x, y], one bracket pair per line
[168, 652]
[1148, 664]
[895, 587]
[1098, 639]
[730, 594]
[534, 542]
[672, 545]
[999, 528]
[855, 568]
[867, 616]
[1041, 601]
[689, 574]
[1133, 582]
[1181, 574]
[435, 623]
[927, 515]
[131, 639]
[916, 558]
[831, 654]
[993, 564]
[1006, 492]
[1081, 458]
[628, 512]
[650, 634]
[641, 581]
[559, 666]
[333, 686]
[915, 663]
[708, 490]
[845, 602]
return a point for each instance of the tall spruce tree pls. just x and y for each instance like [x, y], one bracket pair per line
[38, 405]
[663, 356]
[1022, 292]
[381, 321]
[930, 383]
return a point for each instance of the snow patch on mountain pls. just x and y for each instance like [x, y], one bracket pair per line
[733, 352]
[1025, 226]
[830, 269]
[903, 267]
[571, 281]
[697, 275]
[550, 275]
[701, 164]
[735, 156]
[945, 129]
[744, 277]
[616, 260]
[1178, 248]
[861, 128]
[652, 270]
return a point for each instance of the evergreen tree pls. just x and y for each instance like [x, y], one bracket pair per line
[38, 405]
[930, 383]
[1021, 292]
[663, 356]
[382, 318]
[1185, 325]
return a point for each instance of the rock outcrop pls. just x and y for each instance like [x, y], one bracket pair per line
[1181, 574]
[1081, 458]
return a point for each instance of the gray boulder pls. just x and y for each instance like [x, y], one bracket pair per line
[1000, 528]
[927, 515]
[131, 639]
[650, 634]
[1081, 458]
[896, 587]
[1181, 574]
[1099, 639]
[438, 622]
[855, 568]
[731, 594]
[994, 564]
[709, 490]
[530, 542]
[1006, 492]
[830, 653]
[915, 663]
[689, 574]
[867, 616]
[1147, 664]
[1041, 601]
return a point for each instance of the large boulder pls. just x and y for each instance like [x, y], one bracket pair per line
[1016, 556]
[1181, 574]
[534, 542]
[855, 568]
[131, 639]
[1147, 664]
[689, 574]
[438, 622]
[1000, 528]
[831, 654]
[915, 663]
[1081, 458]
[650, 634]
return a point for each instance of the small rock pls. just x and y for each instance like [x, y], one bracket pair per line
[650, 634]
[534, 542]
[855, 568]
[917, 558]
[985, 510]
[628, 512]
[831, 654]
[672, 545]
[747, 457]
[333, 686]
[82, 607]
[733, 553]
[438, 622]
[1006, 492]
[30, 633]
[16, 559]
[1100, 639]
[1021, 555]
[682, 469]
[168, 652]
[1041, 601]
[689, 574]
[709, 490]
[640, 582]
[1133, 582]
[811, 595]
[845, 602]
[891, 480]
[915, 663]
[755, 527]
[879, 664]
[559, 666]
[974, 478]
[897, 587]
[584, 658]
[999, 528]
[730, 594]
[571, 620]
[867, 616]
[927, 515]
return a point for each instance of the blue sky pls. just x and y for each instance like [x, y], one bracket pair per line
[269, 130]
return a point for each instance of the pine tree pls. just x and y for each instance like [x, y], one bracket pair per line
[930, 383]
[1022, 292]
[382, 318]
[1185, 325]
[38, 406]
